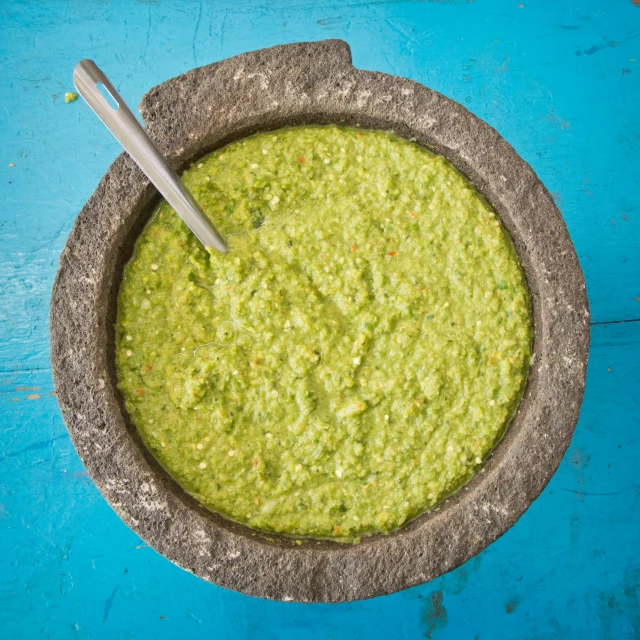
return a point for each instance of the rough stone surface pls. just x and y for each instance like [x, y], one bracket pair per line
[205, 109]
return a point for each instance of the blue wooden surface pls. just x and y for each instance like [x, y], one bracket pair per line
[559, 80]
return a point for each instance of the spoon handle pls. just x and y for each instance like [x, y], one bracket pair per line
[130, 134]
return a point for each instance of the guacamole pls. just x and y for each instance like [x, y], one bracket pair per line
[352, 359]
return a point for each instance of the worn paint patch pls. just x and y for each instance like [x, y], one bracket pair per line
[503, 68]
[630, 590]
[553, 117]
[459, 580]
[78, 474]
[578, 459]
[619, 609]
[434, 614]
[456, 581]
[512, 605]
[66, 583]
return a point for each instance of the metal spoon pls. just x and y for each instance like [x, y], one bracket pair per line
[130, 134]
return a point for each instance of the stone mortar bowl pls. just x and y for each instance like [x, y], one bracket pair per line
[205, 109]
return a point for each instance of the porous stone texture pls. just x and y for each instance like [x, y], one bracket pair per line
[204, 109]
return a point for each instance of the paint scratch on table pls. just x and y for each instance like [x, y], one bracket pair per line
[109, 603]
[146, 42]
[580, 494]
[607, 43]
[44, 444]
[195, 35]
[325, 22]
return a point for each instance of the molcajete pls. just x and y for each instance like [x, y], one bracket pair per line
[204, 109]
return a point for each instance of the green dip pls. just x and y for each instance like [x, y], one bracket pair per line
[353, 358]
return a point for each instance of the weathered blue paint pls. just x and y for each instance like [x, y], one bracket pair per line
[560, 81]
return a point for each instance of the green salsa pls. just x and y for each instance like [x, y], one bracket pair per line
[353, 358]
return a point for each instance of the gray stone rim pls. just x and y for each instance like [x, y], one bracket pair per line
[295, 84]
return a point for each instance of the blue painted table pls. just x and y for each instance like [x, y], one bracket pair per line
[560, 81]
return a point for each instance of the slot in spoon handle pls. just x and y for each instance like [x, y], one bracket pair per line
[130, 134]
